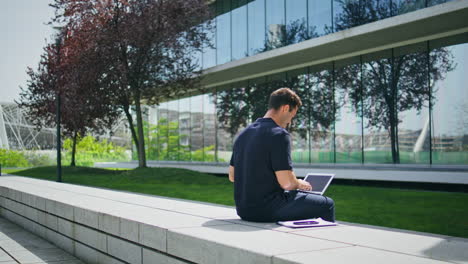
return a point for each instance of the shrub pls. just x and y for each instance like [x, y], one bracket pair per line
[11, 158]
[90, 150]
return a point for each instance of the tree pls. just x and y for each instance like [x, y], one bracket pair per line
[145, 49]
[393, 84]
[84, 107]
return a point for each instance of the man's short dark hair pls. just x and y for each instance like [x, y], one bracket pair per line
[284, 96]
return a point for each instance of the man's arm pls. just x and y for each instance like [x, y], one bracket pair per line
[288, 181]
[231, 173]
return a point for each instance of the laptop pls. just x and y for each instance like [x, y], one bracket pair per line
[319, 182]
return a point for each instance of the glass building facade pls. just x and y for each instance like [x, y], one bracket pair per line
[248, 27]
[405, 105]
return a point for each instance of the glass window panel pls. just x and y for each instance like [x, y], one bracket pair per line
[239, 32]
[184, 129]
[298, 81]
[223, 32]
[173, 130]
[296, 21]
[256, 26]
[413, 107]
[436, 2]
[209, 128]
[275, 23]
[209, 53]
[348, 126]
[196, 135]
[160, 132]
[228, 112]
[449, 104]
[198, 57]
[321, 116]
[404, 6]
[320, 17]
[377, 94]
[150, 128]
[352, 13]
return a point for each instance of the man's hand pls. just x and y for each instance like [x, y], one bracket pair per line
[288, 181]
[304, 186]
[231, 173]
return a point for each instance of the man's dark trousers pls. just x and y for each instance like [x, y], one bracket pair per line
[301, 205]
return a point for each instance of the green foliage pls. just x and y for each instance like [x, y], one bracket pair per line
[163, 144]
[90, 150]
[36, 159]
[203, 154]
[11, 158]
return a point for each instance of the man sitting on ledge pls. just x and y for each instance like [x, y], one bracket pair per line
[265, 186]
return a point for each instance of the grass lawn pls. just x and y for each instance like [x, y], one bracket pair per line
[11, 170]
[427, 211]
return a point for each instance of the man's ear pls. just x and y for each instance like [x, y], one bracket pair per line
[285, 108]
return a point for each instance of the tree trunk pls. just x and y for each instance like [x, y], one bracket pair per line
[141, 137]
[132, 127]
[393, 139]
[75, 136]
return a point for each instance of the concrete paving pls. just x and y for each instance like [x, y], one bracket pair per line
[135, 228]
[20, 246]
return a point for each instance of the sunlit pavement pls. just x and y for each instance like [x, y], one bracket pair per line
[20, 246]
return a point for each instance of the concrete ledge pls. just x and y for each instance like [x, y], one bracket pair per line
[105, 226]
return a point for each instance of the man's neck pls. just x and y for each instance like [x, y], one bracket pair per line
[272, 114]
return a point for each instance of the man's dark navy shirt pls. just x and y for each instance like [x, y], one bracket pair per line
[260, 150]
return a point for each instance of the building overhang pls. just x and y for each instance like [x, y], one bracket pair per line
[435, 22]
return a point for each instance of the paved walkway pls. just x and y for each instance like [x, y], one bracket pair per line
[20, 246]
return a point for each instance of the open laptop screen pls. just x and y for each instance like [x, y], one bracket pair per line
[319, 182]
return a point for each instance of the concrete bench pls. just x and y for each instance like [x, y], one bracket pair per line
[106, 226]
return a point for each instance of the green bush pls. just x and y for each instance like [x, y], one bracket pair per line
[163, 144]
[36, 159]
[90, 150]
[11, 158]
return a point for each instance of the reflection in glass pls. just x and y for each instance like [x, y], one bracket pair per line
[209, 53]
[198, 57]
[436, 2]
[230, 119]
[404, 6]
[184, 129]
[413, 130]
[256, 26]
[320, 16]
[321, 116]
[275, 23]
[298, 81]
[239, 31]
[196, 134]
[209, 128]
[172, 130]
[158, 134]
[352, 13]
[379, 140]
[450, 105]
[223, 32]
[152, 152]
[348, 125]
[296, 10]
